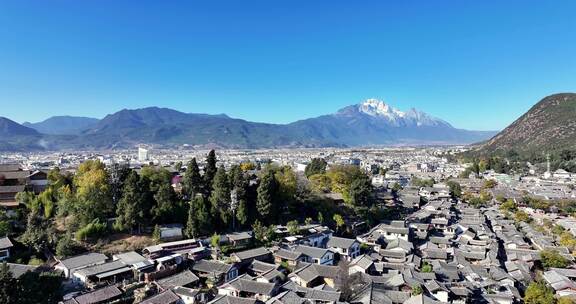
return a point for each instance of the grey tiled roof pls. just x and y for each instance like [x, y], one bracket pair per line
[83, 260]
[19, 269]
[247, 285]
[101, 268]
[252, 253]
[101, 295]
[313, 252]
[232, 300]
[206, 266]
[180, 279]
[166, 297]
[288, 254]
[339, 242]
[5, 243]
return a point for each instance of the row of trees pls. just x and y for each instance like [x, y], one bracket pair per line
[80, 206]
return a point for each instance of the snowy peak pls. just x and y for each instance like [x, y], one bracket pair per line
[375, 107]
[378, 110]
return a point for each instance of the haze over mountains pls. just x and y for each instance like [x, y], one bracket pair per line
[370, 123]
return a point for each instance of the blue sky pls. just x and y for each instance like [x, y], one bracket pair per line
[477, 64]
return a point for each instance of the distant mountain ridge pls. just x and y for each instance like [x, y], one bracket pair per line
[369, 123]
[63, 125]
[550, 125]
[10, 128]
[16, 137]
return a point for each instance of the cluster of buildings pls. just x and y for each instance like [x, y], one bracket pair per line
[443, 251]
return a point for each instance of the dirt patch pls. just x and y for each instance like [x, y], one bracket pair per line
[122, 242]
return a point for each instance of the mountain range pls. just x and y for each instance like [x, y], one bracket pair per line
[369, 123]
[63, 125]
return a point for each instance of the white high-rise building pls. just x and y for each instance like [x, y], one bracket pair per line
[143, 155]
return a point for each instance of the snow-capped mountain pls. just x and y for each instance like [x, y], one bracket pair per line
[373, 122]
[380, 110]
[369, 123]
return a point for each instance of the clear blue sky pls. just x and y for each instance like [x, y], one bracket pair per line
[476, 64]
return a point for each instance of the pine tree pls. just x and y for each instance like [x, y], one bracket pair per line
[209, 172]
[165, 203]
[191, 229]
[198, 218]
[220, 197]
[192, 182]
[266, 195]
[131, 209]
[240, 185]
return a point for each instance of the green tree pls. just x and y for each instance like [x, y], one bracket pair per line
[8, 294]
[263, 234]
[199, 221]
[553, 259]
[286, 186]
[476, 202]
[266, 195]
[341, 178]
[132, 208]
[117, 174]
[489, 184]
[155, 177]
[426, 267]
[361, 191]
[239, 185]
[521, 216]
[455, 188]
[508, 206]
[192, 183]
[320, 183]
[316, 166]
[164, 209]
[92, 191]
[417, 290]
[39, 288]
[39, 233]
[215, 241]
[339, 221]
[156, 234]
[308, 221]
[539, 293]
[66, 246]
[209, 172]
[293, 227]
[57, 179]
[220, 199]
